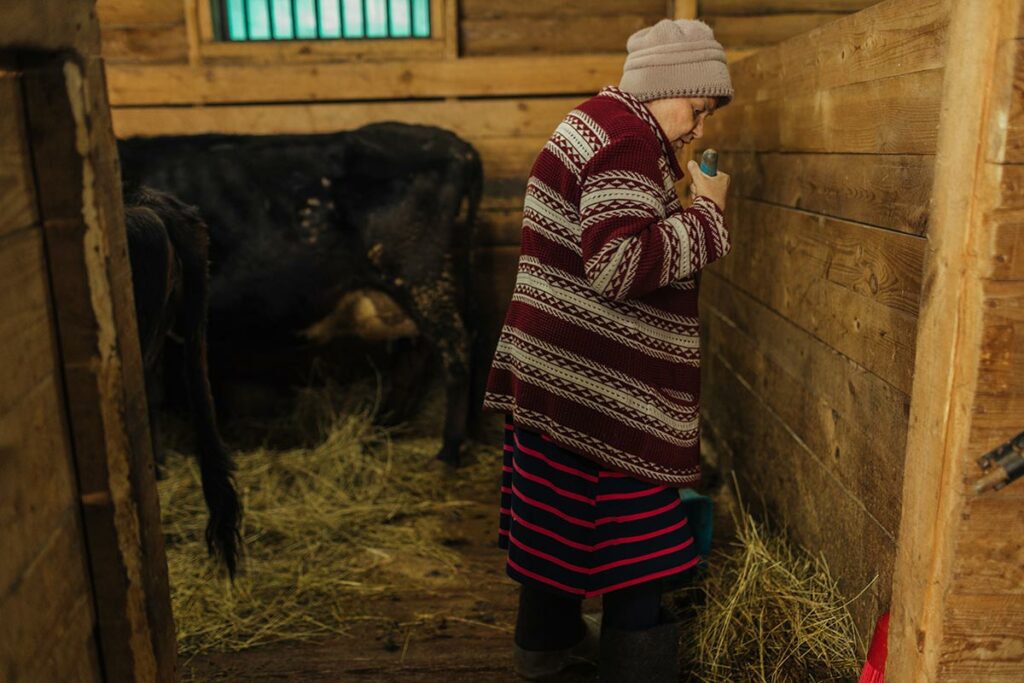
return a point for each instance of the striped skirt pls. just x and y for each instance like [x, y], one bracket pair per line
[580, 530]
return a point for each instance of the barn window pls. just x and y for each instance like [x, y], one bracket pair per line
[249, 20]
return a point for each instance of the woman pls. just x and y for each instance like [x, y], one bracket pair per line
[597, 369]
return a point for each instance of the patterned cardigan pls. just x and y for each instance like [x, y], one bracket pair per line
[600, 344]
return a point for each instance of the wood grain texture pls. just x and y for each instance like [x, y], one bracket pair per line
[145, 43]
[855, 288]
[851, 421]
[894, 115]
[1009, 140]
[737, 32]
[889, 191]
[985, 636]
[497, 9]
[470, 76]
[129, 12]
[552, 35]
[741, 7]
[888, 39]
[778, 471]
[17, 194]
[47, 630]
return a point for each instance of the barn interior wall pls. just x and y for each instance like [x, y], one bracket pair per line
[810, 323]
[502, 77]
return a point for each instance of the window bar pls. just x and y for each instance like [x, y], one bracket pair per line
[245, 13]
[316, 15]
[270, 19]
[295, 18]
[366, 20]
[408, 6]
[341, 18]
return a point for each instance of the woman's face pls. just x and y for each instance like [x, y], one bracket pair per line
[682, 118]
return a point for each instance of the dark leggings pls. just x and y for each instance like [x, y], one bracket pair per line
[547, 621]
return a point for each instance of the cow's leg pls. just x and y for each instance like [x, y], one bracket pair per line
[434, 307]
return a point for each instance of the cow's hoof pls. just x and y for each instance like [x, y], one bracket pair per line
[449, 454]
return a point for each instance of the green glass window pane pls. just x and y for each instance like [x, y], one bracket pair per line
[421, 18]
[259, 20]
[376, 18]
[305, 11]
[283, 19]
[401, 24]
[330, 19]
[353, 15]
[236, 20]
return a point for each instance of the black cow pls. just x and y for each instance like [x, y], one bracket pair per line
[299, 220]
[167, 246]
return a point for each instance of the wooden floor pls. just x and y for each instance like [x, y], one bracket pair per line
[458, 630]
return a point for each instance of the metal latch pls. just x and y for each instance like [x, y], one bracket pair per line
[1001, 465]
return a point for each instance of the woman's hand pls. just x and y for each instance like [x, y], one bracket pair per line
[714, 188]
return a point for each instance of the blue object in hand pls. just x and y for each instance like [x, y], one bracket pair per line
[709, 162]
[700, 515]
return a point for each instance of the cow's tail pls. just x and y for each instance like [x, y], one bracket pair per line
[190, 238]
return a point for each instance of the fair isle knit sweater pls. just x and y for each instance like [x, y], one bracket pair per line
[600, 348]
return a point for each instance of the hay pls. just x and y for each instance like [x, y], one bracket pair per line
[321, 527]
[770, 612]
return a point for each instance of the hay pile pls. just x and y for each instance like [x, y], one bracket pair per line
[770, 612]
[320, 525]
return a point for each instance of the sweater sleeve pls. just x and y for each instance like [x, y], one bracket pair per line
[628, 249]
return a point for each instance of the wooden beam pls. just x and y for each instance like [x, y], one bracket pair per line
[684, 9]
[145, 43]
[949, 344]
[498, 9]
[471, 76]
[17, 192]
[79, 198]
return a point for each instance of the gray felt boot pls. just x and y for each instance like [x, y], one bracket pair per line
[539, 664]
[648, 656]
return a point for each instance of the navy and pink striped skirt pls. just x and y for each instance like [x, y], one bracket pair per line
[573, 527]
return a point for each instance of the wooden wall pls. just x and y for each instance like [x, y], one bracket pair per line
[83, 579]
[810, 323]
[751, 24]
[959, 591]
[46, 597]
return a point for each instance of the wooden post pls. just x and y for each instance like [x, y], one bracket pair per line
[950, 343]
[684, 9]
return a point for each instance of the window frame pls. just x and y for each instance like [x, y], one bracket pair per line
[440, 44]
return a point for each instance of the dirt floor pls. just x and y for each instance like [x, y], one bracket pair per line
[450, 627]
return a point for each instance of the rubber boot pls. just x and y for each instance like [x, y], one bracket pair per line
[539, 664]
[647, 656]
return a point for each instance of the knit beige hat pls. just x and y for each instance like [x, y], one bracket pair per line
[678, 58]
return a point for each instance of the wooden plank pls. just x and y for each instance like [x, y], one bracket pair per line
[741, 32]
[47, 630]
[853, 422]
[855, 288]
[985, 639]
[471, 76]
[126, 12]
[779, 6]
[17, 196]
[547, 35]
[888, 39]
[509, 157]
[49, 26]
[778, 471]
[145, 43]
[949, 350]
[471, 119]
[25, 325]
[897, 115]
[1006, 222]
[37, 490]
[497, 9]
[500, 227]
[1011, 136]
[889, 191]
[79, 196]
[989, 556]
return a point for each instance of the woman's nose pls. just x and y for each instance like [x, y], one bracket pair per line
[698, 132]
